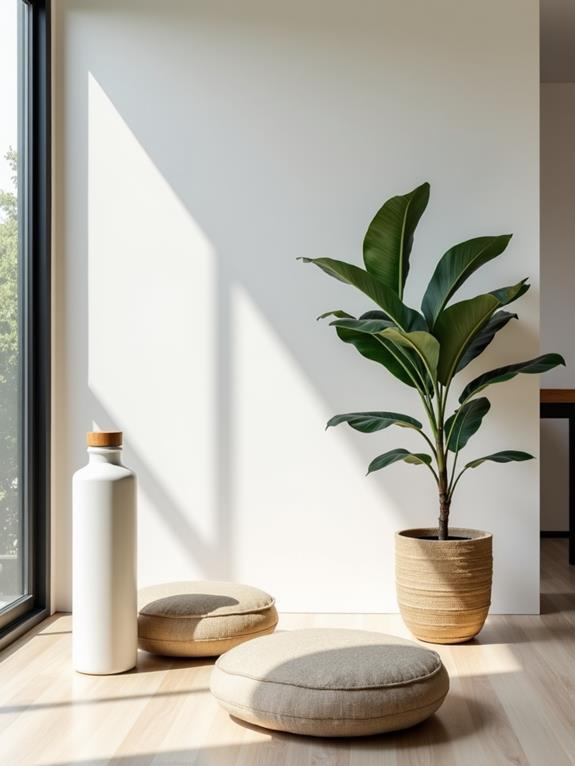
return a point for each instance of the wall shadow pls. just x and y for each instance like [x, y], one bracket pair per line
[140, 83]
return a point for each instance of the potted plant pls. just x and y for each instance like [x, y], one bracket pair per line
[443, 575]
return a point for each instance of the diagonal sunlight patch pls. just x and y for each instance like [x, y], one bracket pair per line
[288, 471]
[151, 331]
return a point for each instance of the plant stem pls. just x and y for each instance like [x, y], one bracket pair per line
[452, 477]
[442, 470]
[452, 490]
[444, 503]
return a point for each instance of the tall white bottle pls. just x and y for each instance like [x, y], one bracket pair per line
[104, 609]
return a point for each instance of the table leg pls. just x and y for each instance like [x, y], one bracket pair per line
[572, 490]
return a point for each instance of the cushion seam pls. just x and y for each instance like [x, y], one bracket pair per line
[207, 616]
[200, 640]
[342, 718]
[333, 688]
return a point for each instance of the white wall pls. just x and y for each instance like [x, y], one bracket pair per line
[557, 285]
[201, 147]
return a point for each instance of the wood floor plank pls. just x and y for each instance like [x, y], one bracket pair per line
[511, 701]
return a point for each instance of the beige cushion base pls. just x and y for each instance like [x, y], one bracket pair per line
[330, 683]
[202, 619]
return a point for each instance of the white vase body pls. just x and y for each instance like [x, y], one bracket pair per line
[104, 609]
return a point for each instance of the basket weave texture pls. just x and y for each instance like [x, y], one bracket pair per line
[443, 586]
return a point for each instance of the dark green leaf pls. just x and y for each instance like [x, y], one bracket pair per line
[484, 337]
[456, 327]
[458, 263]
[374, 315]
[501, 374]
[369, 326]
[378, 351]
[422, 349]
[506, 456]
[404, 317]
[368, 422]
[389, 238]
[339, 313]
[417, 458]
[464, 422]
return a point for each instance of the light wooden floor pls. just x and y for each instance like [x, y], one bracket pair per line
[512, 701]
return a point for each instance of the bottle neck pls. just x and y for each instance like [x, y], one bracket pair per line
[111, 455]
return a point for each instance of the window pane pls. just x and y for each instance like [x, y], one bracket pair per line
[11, 520]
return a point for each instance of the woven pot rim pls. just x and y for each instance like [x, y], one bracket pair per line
[418, 533]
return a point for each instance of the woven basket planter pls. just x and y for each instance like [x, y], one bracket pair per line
[443, 586]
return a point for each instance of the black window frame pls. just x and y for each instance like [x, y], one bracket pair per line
[34, 190]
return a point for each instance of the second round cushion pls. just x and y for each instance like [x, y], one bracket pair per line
[325, 682]
[201, 618]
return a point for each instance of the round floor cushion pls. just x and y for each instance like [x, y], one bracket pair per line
[330, 683]
[202, 619]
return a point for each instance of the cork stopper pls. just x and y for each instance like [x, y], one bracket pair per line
[104, 438]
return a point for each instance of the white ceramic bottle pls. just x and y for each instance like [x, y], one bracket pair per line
[104, 609]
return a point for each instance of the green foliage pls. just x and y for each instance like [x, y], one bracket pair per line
[9, 506]
[368, 422]
[404, 317]
[394, 455]
[455, 267]
[501, 374]
[464, 422]
[389, 239]
[427, 350]
[506, 456]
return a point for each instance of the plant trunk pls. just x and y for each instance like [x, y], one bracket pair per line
[444, 502]
[443, 515]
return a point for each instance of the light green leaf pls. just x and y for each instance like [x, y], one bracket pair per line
[369, 422]
[464, 422]
[394, 455]
[506, 295]
[501, 374]
[389, 238]
[424, 344]
[506, 456]
[458, 263]
[455, 329]
[403, 316]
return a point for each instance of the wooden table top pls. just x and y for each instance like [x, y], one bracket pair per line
[557, 396]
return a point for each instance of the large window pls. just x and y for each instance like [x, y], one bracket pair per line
[11, 521]
[24, 312]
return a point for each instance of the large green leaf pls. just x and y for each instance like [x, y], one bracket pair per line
[484, 337]
[378, 351]
[389, 238]
[369, 422]
[374, 315]
[403, 316]
[422, 343]
[501, 374]
[458, 263]
[424, 347]
[369, 326]
[464, 422]
[394, 455]
[506, 295]
[506, 456]
[456, 327]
